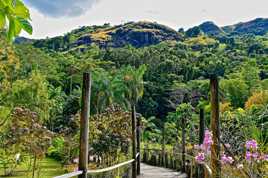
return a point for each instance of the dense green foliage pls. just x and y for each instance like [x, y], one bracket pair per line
[44, 76]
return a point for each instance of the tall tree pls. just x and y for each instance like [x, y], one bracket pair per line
[214, 66]
[184, 113]
[134, 85]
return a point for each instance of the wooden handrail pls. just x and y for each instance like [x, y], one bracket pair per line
[110, 168]
[76, 173]
[72, 174]
[137, 155]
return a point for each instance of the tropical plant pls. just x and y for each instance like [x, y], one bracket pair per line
[16, 15]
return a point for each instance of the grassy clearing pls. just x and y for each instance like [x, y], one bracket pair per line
[49, 168]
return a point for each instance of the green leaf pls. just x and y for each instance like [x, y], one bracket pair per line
[25, 25]
[20, 10]
[2, 20]
[1, 4]
[17, 28]
[11, 30]
[14, 28]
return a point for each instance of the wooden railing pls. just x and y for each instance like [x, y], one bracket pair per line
[97, 171]
[72, 174]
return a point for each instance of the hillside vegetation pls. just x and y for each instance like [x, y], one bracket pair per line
[163, 72]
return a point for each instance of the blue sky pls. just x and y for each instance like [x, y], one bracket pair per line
[56, 17]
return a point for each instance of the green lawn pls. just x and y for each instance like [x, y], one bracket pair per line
[50, 168]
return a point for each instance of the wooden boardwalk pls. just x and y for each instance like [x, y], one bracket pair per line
[148, 171]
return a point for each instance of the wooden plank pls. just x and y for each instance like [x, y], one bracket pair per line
[69, 175]
[84, 125]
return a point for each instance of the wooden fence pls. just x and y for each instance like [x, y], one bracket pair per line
[98, 171]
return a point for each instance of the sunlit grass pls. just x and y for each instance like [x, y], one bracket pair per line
[49, 169]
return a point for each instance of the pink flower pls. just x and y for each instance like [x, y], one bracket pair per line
[200, 158]
[208, 137]
[248, 156]
[205, 146]
[226, 159]
[255, 155]
[251, 144]
[265, 157]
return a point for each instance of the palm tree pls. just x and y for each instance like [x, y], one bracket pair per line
[102, 91]
[133, 87]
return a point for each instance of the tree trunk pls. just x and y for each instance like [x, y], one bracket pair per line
[139, 145]
[134, 145]
[201, 138]
[215, 127]
[183, 143]
[84, 125]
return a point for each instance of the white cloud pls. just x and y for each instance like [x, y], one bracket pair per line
[174, 13]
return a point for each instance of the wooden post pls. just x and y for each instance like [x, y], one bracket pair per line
[139, 145]
[163, 150]
[146, 154]
[201, 126]
[183, 125]
[215, 127]
[134, 145]
[166, 160]
[201, 138]
[85, 110]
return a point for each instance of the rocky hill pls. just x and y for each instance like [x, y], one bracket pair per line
[210, 28]
[257, 26]
[139, 34]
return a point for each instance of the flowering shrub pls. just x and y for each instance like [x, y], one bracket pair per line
[252, 144]
[252, 164]
[226, 159]
[204, 148]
